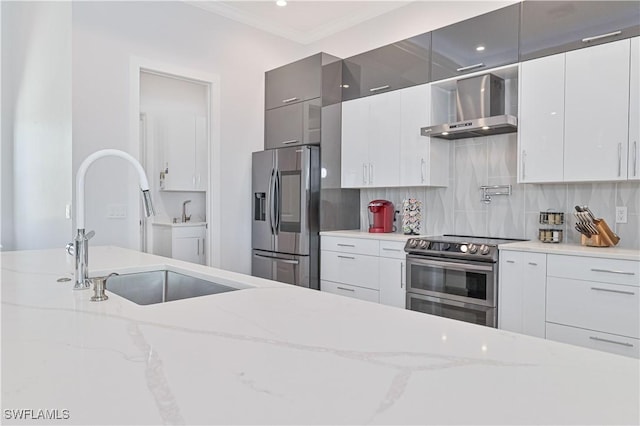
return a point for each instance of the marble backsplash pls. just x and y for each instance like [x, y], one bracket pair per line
[492, 160]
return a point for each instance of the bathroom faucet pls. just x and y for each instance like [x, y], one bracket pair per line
[81, 242]
[185, 218]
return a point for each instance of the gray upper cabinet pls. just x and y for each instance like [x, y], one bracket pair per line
[479, 43]
[302, 80]
[297, 124]
[391, 67]
[550, 27]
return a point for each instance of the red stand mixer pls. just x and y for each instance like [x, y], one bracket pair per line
[381, 215]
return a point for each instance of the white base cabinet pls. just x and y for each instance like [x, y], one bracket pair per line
[521, 292]
[366, 269]
[182, 242]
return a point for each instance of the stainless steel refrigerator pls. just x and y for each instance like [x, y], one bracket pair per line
[285, 225]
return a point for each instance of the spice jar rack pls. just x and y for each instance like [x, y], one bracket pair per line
[551, 234]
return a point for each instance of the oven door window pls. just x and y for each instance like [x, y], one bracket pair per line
[466, 312]
[462, 281]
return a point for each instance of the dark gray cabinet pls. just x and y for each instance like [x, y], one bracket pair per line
[300, 81]
[482, 42]
[391, 67]
[297, 124]
[550, 27]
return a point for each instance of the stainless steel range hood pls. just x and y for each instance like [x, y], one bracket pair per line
[479, 109]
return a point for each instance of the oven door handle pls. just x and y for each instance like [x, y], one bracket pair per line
[450, 265]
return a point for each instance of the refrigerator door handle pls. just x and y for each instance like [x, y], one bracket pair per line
[277, 259]
[271, 203]
[277, 201]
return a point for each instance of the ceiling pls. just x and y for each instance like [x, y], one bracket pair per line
[301, 21]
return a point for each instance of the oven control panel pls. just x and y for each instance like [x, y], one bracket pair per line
[462, 249]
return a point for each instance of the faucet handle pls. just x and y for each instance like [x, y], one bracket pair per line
[70, 248]
[89, 235]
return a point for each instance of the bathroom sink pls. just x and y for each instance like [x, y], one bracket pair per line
[148, 288]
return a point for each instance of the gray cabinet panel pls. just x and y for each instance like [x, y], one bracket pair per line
[391, 67]
[295, 82]
[296, 124]
[482, 42]
[550, 27]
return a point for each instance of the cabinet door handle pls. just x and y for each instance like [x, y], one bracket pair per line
[635, 158]
[523, 162]
[290, 142]
[286, 101]
[370, 173]
[345, 245]
[401, 274]
[364, 173]
[533, 264]
[390, 249]
[600, 339]
[511, 261]
[345, 289]
[203, 251]
[619, 159]
[377, 89]
[598, 37]
[612, 291]
[423, 165]
[347, 257]
[612, 271]
[471, 67]
[198, 249]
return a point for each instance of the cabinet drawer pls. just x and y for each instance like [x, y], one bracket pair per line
[609, 308]
[594, 340]
[594, 269]
[188, 231]
[349, 291]
[350, 245]
[347, 268]
[394, 249]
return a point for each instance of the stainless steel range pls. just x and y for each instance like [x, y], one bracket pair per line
[454, 276]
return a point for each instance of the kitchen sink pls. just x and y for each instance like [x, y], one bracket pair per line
[148, 288]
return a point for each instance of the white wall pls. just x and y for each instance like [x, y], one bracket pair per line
[36, 124]
[105, 36]
[407, 21]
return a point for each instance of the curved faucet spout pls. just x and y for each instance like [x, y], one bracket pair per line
[82, 171]
[81, 242]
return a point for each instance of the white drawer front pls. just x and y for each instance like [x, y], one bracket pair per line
[349, 291]
[594, 269]
[350, 245]
[594, 340]
[189, 231]
[347, 268]
[394, 249]
[609, 308]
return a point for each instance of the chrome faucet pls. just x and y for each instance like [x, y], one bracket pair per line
[81, 242]
[185, 218]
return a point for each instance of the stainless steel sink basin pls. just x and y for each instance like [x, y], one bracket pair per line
[147, 288]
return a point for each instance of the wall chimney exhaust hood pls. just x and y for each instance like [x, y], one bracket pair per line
[479, 109]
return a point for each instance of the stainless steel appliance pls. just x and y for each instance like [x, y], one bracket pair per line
[480, 110]
[286, 187]
[454, 276]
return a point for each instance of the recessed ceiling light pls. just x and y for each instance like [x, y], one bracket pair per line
[480, 48]
[281, 3]
[485, 127]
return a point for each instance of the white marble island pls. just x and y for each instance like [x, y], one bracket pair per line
[277, 354]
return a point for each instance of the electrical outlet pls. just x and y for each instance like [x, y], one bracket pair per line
[621, 214]
[116, 211]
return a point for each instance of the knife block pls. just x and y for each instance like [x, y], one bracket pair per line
[605, 237]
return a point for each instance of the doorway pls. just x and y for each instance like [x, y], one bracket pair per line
[177, 135]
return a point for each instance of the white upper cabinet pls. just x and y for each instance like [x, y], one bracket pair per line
[371, 141]
[597, 113]
[184, 154]
[541, 120]
[382, 145]
[634, 111]
[423, 161]
[577, 120]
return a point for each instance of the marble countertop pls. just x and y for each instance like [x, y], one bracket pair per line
[573, 250]
[278, 354]
[356, 233]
